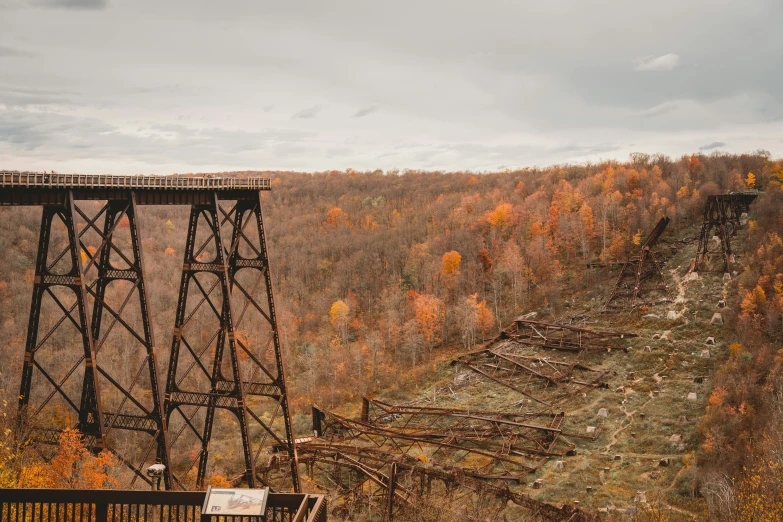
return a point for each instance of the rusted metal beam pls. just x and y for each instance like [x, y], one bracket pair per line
[641, 275]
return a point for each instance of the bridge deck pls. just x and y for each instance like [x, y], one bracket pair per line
[34, 188]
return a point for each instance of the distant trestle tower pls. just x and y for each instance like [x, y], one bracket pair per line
[722, 215]
[90, 307]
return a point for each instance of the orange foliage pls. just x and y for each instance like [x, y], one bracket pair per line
[450, 263]
[336, 216]
[73, 467]
[429, 314]
[500, 217]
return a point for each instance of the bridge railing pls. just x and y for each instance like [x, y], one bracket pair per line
[80, 505]
[44, 180]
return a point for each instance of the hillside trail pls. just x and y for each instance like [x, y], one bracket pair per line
[623, 425]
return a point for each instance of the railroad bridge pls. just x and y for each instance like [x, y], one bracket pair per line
[225, 353]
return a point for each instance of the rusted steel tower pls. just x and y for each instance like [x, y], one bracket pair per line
[641, 274]
[90, 309]
[722, 215]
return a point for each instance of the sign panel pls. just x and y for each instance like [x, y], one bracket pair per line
[239, 502]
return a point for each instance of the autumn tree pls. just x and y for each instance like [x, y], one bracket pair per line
[340, 317]
[429, 314]
[450, 263]
[72, 467]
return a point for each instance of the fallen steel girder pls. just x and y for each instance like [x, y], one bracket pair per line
[722, 215]
[642, 274]
[471, 424]
[528, 375]
[497, 457]
[562, 337]
[394, 482]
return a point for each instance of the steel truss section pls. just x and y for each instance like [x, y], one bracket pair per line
[533, 377]
[70, 376]
[563, 337]
[390, 483]
[509, 429]
[642, 274]
[722, 215]
[498, 457]
[226, 354]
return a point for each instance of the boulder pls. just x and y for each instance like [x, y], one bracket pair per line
[671, 315]
[692, 396]
[676, 438]
[716, 318]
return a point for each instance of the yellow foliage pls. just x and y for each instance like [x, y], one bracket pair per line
[750, 181]
[219, 481]
[754, 300]
[637, 238]
[169, 251]
[339, 314]
[501, 216]
[451, 262]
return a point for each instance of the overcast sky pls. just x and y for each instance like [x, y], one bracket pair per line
[142, 86]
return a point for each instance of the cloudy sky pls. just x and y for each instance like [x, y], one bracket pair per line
[143, 86]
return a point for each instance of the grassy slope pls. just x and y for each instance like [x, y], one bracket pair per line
[670, 368]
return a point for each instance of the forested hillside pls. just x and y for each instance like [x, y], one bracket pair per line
[378, 274]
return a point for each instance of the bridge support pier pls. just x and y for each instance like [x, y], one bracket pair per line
[225, 354]
[91, 290]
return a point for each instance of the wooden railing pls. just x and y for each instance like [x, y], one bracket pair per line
[79, 505]
[44, 180]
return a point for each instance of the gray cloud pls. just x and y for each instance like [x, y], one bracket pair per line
[6, 51]
[310, 112]
[713, 145]
[454, 89]
[47, 135]
[71, 4]
[666, 62]
[364, 111]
